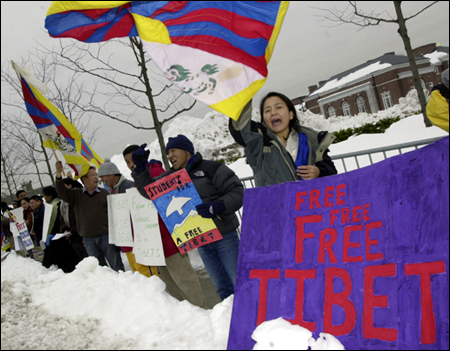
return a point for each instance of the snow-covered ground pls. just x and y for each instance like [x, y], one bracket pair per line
[96, 308]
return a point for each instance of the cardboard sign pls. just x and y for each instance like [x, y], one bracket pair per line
[175, 198]
[119, 226]
[363, 255]
[147, 247]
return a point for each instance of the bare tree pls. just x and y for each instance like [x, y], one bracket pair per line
[122, 88]
[354, 15]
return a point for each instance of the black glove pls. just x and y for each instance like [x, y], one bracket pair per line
[140, 157]
[210, 209]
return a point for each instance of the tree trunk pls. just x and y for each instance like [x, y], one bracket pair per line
[148, 91]
[412, 62]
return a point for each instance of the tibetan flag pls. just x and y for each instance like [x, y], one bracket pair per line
[215, 51]
[56, 130]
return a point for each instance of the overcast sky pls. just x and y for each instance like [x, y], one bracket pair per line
[308, 50]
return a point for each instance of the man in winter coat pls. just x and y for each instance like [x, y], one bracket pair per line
[179, 276]
[222, 194]
[91, 210]
[117, 184]
[437, 107]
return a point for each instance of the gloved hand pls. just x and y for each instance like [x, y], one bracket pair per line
[140, 157]
[210, 209]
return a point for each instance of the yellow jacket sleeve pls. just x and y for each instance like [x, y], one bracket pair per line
[437, 110]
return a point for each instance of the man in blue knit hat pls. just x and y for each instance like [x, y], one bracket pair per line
[222, 194]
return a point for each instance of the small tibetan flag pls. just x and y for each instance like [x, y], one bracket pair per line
[56, 130]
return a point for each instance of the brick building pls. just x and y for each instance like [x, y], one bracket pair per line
[377, 84]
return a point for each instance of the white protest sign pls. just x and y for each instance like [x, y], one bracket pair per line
[46, 225]
[19, 229]
[119, 221]
[148, 247]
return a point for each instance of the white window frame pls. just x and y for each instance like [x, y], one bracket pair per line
[346, 110]
[361, 102]
[331, 111]
[387, 100]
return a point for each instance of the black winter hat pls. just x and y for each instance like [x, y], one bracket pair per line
[180, 142]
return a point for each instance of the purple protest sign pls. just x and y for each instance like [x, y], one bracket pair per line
[363, 255]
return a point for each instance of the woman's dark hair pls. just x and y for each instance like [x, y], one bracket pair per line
[294, 123]
[50, 191]
[27, 199]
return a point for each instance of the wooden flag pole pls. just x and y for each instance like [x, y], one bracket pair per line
[54, 153]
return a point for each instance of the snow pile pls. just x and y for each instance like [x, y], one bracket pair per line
[97, 308]
[407, 106]
[279, 334]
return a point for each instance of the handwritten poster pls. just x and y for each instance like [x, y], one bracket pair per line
[19, 229]
[175, 198]
[147, 247]
[119, 225]
[363, 256]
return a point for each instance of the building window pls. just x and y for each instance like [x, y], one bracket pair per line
[331, 112]
[346, 109]
[361, 104]
[387, 101]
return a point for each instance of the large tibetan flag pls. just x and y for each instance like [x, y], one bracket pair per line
[56, 130]
[215, 51]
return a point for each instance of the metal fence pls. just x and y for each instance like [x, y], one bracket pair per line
[358, 159]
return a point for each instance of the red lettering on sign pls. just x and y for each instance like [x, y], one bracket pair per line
[369, 242]
[333, 216]
[428, 320]
[326, 245]
[299, 296]
[300, 200]
[328, 196]
[366, 213]
[264, 275]
[355, 215]
[301, 235]
[348, 244]
[340, 299]
[340, 194]
[314, 198]
[371, 301]
[345, 218]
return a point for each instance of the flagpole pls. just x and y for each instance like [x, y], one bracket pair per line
[54, 153]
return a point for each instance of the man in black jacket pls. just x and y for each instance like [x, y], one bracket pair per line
[222, 194]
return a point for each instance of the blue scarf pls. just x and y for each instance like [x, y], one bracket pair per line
[303, 151]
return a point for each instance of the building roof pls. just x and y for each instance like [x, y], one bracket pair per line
[363, 70]
[382, 63]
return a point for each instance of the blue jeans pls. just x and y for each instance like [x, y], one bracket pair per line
[99, 247]
[220, 260]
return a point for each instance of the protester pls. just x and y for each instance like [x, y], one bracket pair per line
[117, 184]
[27, 213]
[437, 107]
[68, 222]
[6, 223]
[222, 194]
[20, 194]
[180, 277]
[38, 208]
[278, 149]
[91, 211]
[58, 252]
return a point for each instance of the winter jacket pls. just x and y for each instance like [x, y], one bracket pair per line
[214, 182]
[55, 216]
[91, 211]
[28, 218]
[437, 107]
[38, 222]
[269, 159]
